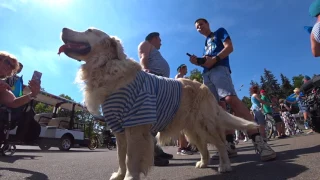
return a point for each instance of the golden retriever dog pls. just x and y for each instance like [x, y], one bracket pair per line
[106, 75]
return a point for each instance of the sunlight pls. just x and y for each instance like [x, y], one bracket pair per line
[55, 3]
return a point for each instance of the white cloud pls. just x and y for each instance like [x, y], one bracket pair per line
[41, 60]
[8, 6]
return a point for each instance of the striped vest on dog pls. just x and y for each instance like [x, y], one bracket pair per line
[149, 99]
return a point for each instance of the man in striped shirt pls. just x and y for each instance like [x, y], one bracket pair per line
[314, 10]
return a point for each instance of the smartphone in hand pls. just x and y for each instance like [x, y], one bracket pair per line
[36, 76]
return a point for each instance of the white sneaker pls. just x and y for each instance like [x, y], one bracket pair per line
[232, 151]
[264, 149]
[245, 139]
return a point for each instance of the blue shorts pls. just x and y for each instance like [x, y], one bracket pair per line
[219, 81]
[303, 109]
[259, 117]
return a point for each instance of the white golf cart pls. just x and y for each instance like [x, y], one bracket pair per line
[61, 132]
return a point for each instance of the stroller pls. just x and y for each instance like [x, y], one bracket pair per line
[6, 148]
[17, 126]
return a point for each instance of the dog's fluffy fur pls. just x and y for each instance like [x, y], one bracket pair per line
[199, 116]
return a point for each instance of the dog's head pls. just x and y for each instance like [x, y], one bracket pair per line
[82, 46]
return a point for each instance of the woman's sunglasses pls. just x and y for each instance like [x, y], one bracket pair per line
[7, 62]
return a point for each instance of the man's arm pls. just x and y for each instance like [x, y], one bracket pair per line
[225, 52]
[315, 40]
[315, 46]
[144, 50]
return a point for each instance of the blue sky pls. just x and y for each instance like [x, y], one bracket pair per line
[265, 34]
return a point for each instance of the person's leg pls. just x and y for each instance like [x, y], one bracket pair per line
[237, 132]
[305, 117]
[160, 157]
[246, 137]
[183, 146]
[261, 120]
[221, 79]
[279, 126]
[207, 80]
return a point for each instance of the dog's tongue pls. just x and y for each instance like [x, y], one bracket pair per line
[70, 46]
[62, 49]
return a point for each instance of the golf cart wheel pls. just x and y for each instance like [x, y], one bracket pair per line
[65, 143]
[93, 144]
[44, 147]
[8, 149]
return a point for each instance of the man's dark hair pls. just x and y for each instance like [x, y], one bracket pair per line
[201, 19]
[152, 35]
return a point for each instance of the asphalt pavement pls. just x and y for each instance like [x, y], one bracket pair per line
[298, 158]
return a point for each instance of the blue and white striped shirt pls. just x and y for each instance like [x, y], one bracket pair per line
[316, 32]
[149, 99]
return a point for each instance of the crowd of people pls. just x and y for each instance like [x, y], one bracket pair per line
[217, 77]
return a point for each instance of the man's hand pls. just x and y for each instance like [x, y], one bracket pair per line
[210, 61]
[193, 60]
[34, 86]
[4, 86]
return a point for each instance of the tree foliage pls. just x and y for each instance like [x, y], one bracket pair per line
[196, 74]
[286, 86]
[247, 101]
[270, 83]
[297, 81]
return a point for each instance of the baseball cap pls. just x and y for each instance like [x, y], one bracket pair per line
[152, 35]
[306, 77]
[262, 91]
[182, 65]
[314, 9]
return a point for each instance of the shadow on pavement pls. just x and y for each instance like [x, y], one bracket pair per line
[12, 159]
[33, 175]
[282, 168]
[249, 148]
[56, 151]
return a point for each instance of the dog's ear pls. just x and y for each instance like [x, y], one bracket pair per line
[116, 43]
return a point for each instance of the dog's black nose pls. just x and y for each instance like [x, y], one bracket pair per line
[65, 29]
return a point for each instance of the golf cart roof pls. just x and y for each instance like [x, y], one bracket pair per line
[51, 99]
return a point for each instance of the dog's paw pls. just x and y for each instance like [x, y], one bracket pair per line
[117, 176]
[224, 168]
[201, 164]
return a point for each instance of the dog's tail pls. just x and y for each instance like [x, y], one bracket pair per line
[234, 122]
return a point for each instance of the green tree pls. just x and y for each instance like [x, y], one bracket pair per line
[263, 83]
[195, 74]
[271, 84]
[65, 112]
[66, 97]
[297, 80]
[254, 83]
[247, 101]
[286, 86]
[43, 108]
